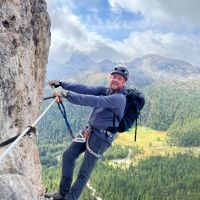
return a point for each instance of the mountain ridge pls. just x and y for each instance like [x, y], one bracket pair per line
[143, 70]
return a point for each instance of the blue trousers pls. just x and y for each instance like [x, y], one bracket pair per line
[98, 145]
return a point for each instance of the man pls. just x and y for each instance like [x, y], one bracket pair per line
[108, 109]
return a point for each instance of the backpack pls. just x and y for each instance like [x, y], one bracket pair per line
[134, 103]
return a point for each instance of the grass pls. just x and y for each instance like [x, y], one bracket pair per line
[152, 142]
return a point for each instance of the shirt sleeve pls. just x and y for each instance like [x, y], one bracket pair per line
[112, 101]
[83, 89]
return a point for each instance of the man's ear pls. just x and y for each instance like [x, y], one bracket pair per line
[124, 82]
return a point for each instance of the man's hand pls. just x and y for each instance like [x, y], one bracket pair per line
[59, 95]
[54, 83]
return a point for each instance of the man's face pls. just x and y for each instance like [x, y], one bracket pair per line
[117, 82]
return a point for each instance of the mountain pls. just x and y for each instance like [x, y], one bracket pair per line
[156, 67]
[77, 64]
[169, 66]
[79, 60]
[143, 70]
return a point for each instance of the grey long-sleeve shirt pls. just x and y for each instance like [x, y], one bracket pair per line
[104, 104]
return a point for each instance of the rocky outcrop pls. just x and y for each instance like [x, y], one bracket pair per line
[24, 46]
[16, 187]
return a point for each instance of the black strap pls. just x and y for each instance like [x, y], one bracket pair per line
[63, 112]
[31, 130]
[51, 97]
[12, 139]
[135, 129]
[136, 121]
[8, 141]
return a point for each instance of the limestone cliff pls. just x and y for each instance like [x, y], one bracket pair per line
[24, 47]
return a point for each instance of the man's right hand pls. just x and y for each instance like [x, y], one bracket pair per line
[59, 95]
[54, 83]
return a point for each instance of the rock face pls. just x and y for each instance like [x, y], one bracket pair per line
[24, 47]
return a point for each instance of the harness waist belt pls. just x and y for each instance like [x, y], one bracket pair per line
[105, 131]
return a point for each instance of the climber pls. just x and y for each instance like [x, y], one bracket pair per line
[108, 108]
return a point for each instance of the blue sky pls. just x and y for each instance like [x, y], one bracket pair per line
[121, 30]
[99, 13]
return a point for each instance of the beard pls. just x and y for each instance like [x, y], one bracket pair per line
[115, 87]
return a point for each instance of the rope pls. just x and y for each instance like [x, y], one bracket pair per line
[63, 112]
[14, 144]
[90, 150]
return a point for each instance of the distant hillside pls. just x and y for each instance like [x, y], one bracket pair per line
[174, 107]
[151, 68]
[143, 70]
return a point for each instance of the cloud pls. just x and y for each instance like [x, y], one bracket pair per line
[172, 12]
[71, 33]
[68, 33]
[168, 44]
